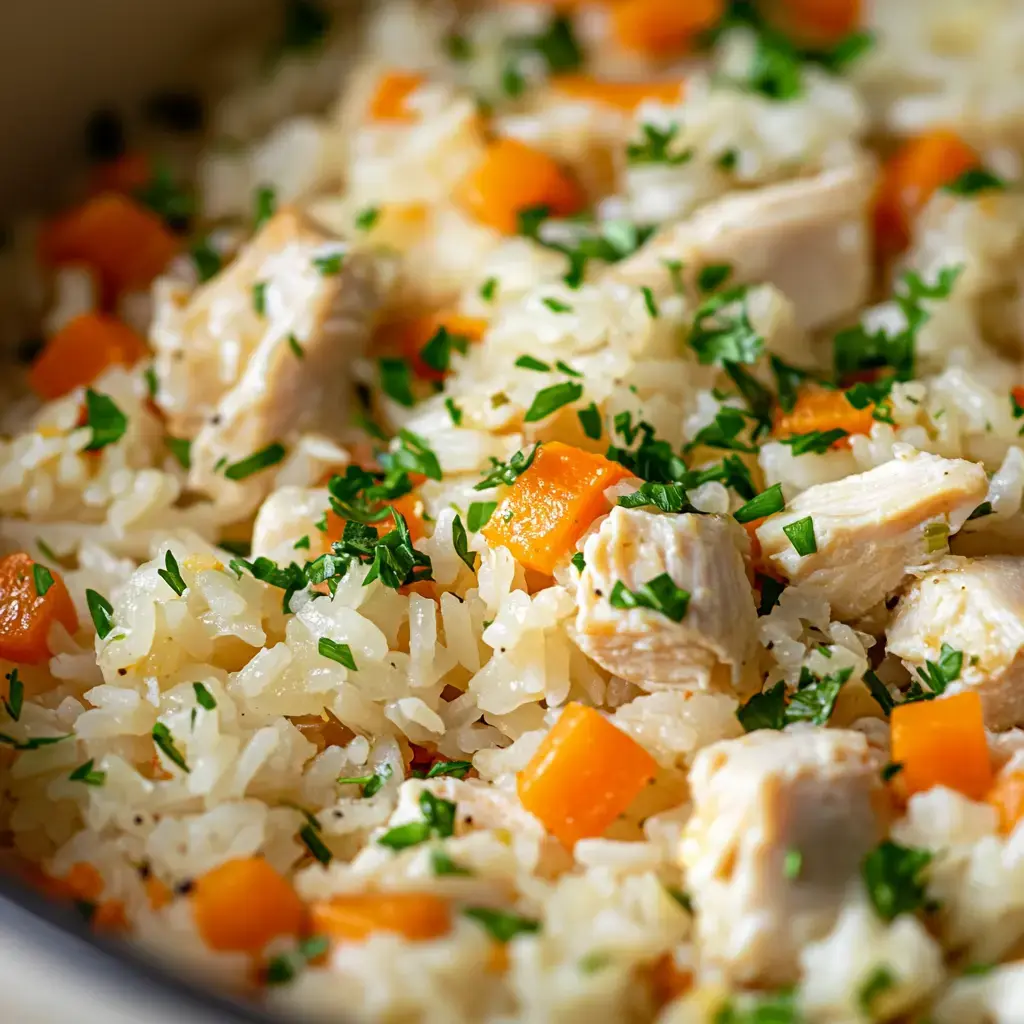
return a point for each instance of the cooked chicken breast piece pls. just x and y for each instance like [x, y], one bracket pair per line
[261, 353]
[288, 515]
[976, 607]
[704, 555]
[809, 237]
[780, 824]
[870, 527]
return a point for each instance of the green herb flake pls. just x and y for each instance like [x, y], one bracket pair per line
[478, 515]
[396, 381]
[937, 675]
[42, 578]
[801, 536]
[767, 503]
[974, 180]
[181, 449]
[302, 544]
[578, 562]
[370, 784]
[656, 147]
[529, 363]
[816, 442]
[442, 864]
[329, 265]
[259, 298]
[454, 412]
[891, 770]
[501, 925]
[165, 743]
[316, 846]
[152, 382]
[282, 969]
[590, 421]
[171, 575]
[650, 302]
[879, 691]
[205, 259]
[556, 305]
[86, 773]
[204, 698]
[713, 276]
[297, 350]
[771, 591]
[438, 822]
[15, 698]
[508, 472]
[893, 875]
[792, 865]
[549, 400]
[341, 653]
[256, 463]
[264, 206]
[102, 612]
[460, 542]
[366, 219]
[454, 769]
[104, 419]
[984, 509]
[659, 594]
[489, 289]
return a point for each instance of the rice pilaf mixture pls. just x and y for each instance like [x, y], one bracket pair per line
[516, 516]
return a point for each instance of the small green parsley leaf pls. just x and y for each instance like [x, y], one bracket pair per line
[171, 575]
[590, 421]
[489, 289]
[801, 536]
[551, 399]
[204, 698]
[205, 259]
[656, 147]
[938, 675]
[528, 362]
[974, 180]
[259, 298]
[442, 864]
[578, 562]
[104, 418]
[556, 305]
[792, 865]
[366, 219]
[650, 302]
[816, 442]
[501, 925]
[461, 543]
[298, 351]
[893, 877]
[15, 695]
[316, 846]
[181, 449]
[713, 276]
[508, 472]
[396, 381]
[330, 264]
[85, 773]
[767, 503]
[479, 513]
[455, 769]
[102, 612]
[264, 206]
[341, 653]
[659, 594]
[454, 412]
[165, 743]
[42, 578]
[256, 463]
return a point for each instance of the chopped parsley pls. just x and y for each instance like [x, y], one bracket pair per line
[891, 770]
[329, 265]
[578, 562]
[893, 877]
[590, 421]
[15, 695]
[549, 400]
[974, 180]
[461, 543]
[438, 822]
[458, 47]
[984, 509]
[205, 259]
[937, 675]
[489, 289]
[310, 835]
[181, 449]
[204, 698]
[102, 612]
[396, 381]
[42, 579]
[879, 981]
[282, 969]
[801, 536]
[442, 864]
[341, 653]
[255, 463]
[792, 865]
[437, 352]
[501, 925]
[713, 276]
[767, 503]
[722, 331]
[528, 362]
[366, 219]
[478, 515]
[455, 769]
[454, 412]
[264, 206]
[167, 199]
[659, 594]
[259, 297]
[556, 305]
[508, 472]
[656, 147]
[815, 442]
[104, 419]
[650, 303]
[369, 784]
[302, 544]
[31, 744]
[771, 591]
[413, 455]
[813, 701]
[666, 497]
[297, 350]
[165, 743]
[171, 575]
[879, 691]
[87, 774]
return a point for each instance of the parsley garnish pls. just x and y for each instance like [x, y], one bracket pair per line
[667, 497]
[181, 449]
[938, 675]
[42, 578]
[396, 381]
[438, 822]
[578, 561]
[656, 147]
[367, 218]
[722, 331]
[973, 181]
[264, 206]
[556, 305]
[659, 594]
[310, 835]
[102, 613]
[650, 303]
[551, 399]
[880, 692]
[259, 298]
[203, 697]
[85, 773]
[370, 784]
[329, 265]
[168, 200]
[713, 276]
[455, 769]
[801, 536]
[892, 875]
[256, 463]
[880, 980]
[171, 575]
[437, 352]
[104, 418]
[454, 412]
[282, 969]
[413, 455]
[767, 503]
[31, 744]
[813, 701]
[771, 591]
[298, 351]
[442, 864]
[461, 543]
[816, 442]
[590, 421]
[508, 472]
[489, 289]
[478, 515]
[341, 653]
[205, 259]
[501, 925]
[15, 695]
[792, 864]
[165, 743]
[528, 362]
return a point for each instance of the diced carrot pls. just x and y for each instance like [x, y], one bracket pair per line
[82, 350]
[26, 616]
[661, 28]
[911, 177]
[158, 893]
[584, 774]
[1018, 396]
[110, 916]
[243, 904]
[942, 743]
[413, 334]
[550, 506]
[668, 981]
[408, 505]
[84, 882]
[513, 177]
[497, 958]
[388, 103]
[127, 244]
[813, 22]
[621, 95]
[823, 411]
[353, 918]
[1007, 797]
[126, 174]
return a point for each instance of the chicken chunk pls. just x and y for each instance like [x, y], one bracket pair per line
[869, 528]
[780, 824]
[260, 354]
[288, 515]
[809, 237]
[704, 556]
[976, 607]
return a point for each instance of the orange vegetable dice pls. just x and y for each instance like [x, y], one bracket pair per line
[127, 244]
[513, 177]
[1018, 396]
[668, 981]
[110, 916]
[1007, 797]
[388, 103]
[25, 616]
[353, 918]
[84, 882]
[911, 177]
[824, 411]
[621, 95]
[814, 23]
[661, 28]
[158, 893]
[584, 774]
[81, 351]
[550, 506]
[243, 904]
[942, 743]
[414, 334]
